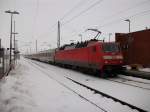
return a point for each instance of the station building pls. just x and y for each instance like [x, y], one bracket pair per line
[135, 47]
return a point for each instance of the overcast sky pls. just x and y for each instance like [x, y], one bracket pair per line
[38, 20]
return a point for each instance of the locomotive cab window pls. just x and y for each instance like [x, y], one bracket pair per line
[111, 47]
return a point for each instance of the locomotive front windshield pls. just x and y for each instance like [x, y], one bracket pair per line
[110, 47]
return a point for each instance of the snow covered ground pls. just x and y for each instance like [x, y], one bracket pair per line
[39, 87]
[26, 89]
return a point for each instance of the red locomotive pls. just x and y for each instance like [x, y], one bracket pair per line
[93, 55]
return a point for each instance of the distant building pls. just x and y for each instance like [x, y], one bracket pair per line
[135, 47]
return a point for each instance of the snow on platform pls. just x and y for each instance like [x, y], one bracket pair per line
[26, 89]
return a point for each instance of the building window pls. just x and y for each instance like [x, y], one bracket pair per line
[125, 46]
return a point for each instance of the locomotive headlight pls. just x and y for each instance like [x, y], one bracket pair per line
[107, 57]
[112, 57]
[106, 62]
[119, 57]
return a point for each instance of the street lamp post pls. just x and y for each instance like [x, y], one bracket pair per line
[11, 12]
[128, 20]
[130, 39]
[14, 42]
[14, 35]
[14, 46]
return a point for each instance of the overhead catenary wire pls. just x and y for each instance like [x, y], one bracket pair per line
[82, 12]
[123, 18]
[127, 9]
[114, 15]
[137, 14]
[120, 12]
[49, 30]
[80, 3]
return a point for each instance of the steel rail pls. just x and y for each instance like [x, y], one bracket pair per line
[134, 80]
[128, 84]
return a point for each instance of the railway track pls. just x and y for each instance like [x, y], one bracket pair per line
[108, 96]
[129, 82]
[87, 87]
[137, 74]
[128, 79]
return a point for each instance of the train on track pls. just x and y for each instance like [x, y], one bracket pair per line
[96, 56]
